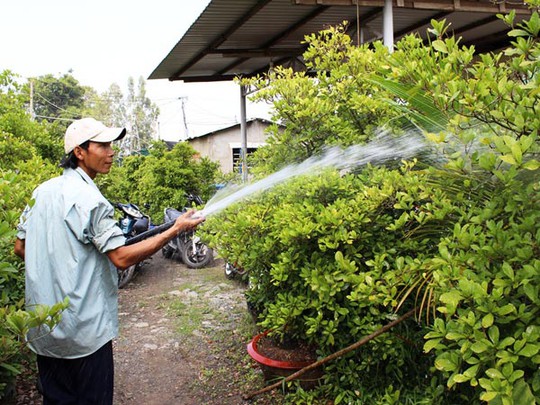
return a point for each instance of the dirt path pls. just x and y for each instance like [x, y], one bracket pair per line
[182, 338]
[183, 334]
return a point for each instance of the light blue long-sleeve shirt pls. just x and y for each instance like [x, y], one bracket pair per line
[68, 228]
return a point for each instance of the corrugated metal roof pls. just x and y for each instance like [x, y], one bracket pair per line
[237, 125]
[244, 37]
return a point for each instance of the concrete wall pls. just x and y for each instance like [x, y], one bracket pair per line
[218, 146]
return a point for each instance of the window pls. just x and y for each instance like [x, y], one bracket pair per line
[237, 157]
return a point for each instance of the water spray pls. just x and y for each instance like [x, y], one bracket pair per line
[383, 148]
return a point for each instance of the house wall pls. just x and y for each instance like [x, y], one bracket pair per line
[219, 145]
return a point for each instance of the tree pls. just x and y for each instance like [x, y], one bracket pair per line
[134, 111]
[22, 136]
[140, 118]
[56, 98]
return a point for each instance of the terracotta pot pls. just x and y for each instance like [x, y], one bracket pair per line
[274, 369]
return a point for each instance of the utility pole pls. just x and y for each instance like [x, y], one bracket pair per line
[32, 113]
[358, 29]
[243, 132]
[183, 99]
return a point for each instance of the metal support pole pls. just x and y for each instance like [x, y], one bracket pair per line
[388, 25]
[32, 113]
[243, 132]
[358, 29]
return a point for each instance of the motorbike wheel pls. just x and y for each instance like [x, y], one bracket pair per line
[125, 276]
[167, 251]
[198, 256]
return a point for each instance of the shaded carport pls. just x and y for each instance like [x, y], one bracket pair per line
[233, 38]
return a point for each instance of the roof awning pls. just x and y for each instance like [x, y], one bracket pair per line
[234, 38]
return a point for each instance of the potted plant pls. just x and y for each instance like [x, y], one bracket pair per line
[279, 361]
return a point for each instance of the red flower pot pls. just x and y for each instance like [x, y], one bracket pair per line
[275, 368]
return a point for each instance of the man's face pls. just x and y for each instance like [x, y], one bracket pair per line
[98, 158]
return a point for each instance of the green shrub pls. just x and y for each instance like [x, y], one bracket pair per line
[333, 257]
[15, 191]
[161, 179]
[27, 149]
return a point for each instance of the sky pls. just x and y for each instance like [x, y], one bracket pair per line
[107, 41]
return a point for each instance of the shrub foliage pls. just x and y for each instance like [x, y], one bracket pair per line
[331, 258]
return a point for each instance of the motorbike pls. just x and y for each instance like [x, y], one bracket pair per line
[187, 245]
[133, 224]
[233, 270]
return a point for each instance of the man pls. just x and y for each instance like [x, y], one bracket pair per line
[72, 246]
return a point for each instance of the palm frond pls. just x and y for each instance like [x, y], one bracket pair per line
[420, 109]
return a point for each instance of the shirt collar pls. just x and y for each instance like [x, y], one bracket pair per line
[80, 172]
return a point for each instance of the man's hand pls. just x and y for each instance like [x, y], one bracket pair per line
[186, 222]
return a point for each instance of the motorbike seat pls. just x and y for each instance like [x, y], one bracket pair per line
[141, 225]
[172, 213]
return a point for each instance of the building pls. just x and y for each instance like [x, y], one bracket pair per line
[224, 145]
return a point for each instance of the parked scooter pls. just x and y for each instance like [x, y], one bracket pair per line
[187, 246]
[233, 270]
[133, 223]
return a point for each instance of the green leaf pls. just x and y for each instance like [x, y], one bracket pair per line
[518, 33]
[493, 334]
[531, 291]
[531, 164]
[422, 108]
[452, 299]
[10, 368]
[440, 46]
[487, 321]
[488, 396]
[507, 341]
[430, 344]
[506, 309]
[479, 347]
[471, 371]
[460, 378]
[494, 373]
[445, 364]
[454, 336]
[517, 153]
[529, 350]
[508, 271]
[522, 393]
[508, 159]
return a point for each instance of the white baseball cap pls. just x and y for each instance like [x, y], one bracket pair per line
[90, 129]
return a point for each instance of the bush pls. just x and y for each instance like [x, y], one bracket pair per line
[26, 150]
[14, 321]
[334, 257]
[161, 179]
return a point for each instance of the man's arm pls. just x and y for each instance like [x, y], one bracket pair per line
[126, 256]
[19, 248]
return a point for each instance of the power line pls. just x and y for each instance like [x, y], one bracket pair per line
[55, 106]
[54, 118]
